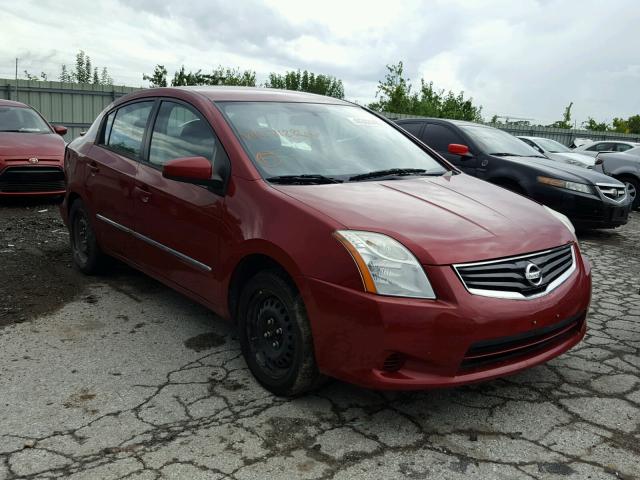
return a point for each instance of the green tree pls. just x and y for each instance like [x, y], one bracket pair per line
[87, 69]
[395, 96]
[219, 76]
[64, 75]
[158, 78]
[306, 82]
[566, 119]
[633, 124]
[595, 126]
[105, 78]
[96, 77]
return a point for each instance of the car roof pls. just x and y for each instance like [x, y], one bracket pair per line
[249, 94]
[440, 120]
[11, 103]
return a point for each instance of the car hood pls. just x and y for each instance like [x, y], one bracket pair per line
[563, 171]
[27, 145]
[576, 159]
[442, 220]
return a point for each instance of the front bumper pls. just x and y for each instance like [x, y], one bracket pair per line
[585, 210]
[26, 179]
[457, 339]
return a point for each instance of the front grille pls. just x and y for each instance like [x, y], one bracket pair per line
[521, 277]
[32, 179]
[487, 352]
[616, 193]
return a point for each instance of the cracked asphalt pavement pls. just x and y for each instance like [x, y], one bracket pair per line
[120, 377]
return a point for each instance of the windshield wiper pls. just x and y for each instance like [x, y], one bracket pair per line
[392, 172]
[302, 179]
[13, 131]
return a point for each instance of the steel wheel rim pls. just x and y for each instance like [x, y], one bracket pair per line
[270, 334]
[80, 238]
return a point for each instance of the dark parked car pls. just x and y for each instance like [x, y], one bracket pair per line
[339, 244]
[31, 152]
[625, 167]
[590, 199]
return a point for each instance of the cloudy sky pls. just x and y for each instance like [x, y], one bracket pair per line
[522, 58]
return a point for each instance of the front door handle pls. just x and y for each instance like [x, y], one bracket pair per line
[94, 168]
[144, 193]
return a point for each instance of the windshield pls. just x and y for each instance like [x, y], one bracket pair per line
[337, 141]
[493, 141]
[551, 145]
[20, 119]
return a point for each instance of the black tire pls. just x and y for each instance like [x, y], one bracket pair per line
[275, 335]
[633, 185]
[86, 254]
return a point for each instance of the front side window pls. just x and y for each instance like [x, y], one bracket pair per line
[412, 128]
[601, 147]
[127, 129]
[21, 120]
[440, 137]
[319, 139]
[180, 132]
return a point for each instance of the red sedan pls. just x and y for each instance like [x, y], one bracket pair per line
[340, 245]
[31, 152]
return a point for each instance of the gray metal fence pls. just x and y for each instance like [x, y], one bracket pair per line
[561, 135]
[73, 105]
[76, 106]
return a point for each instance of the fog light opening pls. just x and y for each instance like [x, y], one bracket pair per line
[393, 362]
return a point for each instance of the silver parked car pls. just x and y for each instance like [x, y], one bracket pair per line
[626, 168]
[594, 148]
[557, 151]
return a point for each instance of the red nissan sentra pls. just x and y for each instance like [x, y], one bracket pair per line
[340, 244]
[31, 152]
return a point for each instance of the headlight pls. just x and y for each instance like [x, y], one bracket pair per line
[562, 218]
[385, 265]
[576, 187]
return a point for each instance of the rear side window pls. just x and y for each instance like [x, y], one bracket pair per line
[125, 131]
[181, 132]
[621, 147]
[439, 137]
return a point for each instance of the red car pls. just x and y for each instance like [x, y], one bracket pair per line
[340, 245]
[31, 152]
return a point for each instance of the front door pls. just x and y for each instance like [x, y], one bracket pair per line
[112, 165]
[178, 224]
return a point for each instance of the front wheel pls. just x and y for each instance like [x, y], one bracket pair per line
[633, 190]
[275, 335]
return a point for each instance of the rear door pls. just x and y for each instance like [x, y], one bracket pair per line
[178, 225]
[439, 137]
[112, 165]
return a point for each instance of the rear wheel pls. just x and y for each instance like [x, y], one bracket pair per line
[275, 335]
[86, 253]
[633, 189]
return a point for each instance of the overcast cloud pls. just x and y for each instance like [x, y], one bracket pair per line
[526, 58]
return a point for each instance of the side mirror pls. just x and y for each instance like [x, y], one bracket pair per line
[458, 149]
[60, 130]
[196, 170]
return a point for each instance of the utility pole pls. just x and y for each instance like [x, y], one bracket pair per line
[16, 79]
